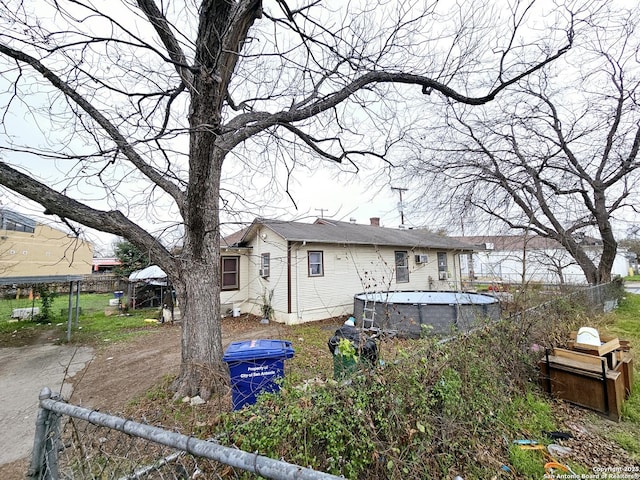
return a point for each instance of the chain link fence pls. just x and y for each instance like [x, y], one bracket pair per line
[594, 299]
[73, 442]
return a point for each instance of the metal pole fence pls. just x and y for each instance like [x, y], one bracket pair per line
[49, 443]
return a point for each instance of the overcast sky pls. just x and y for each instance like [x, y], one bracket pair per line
[317, 192]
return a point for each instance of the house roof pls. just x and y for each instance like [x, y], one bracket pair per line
[345, 233]
[105, 261]
[519, 242]
[233, 239]
[6, 215]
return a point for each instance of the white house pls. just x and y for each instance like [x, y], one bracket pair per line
[518, 258]
[311, 271]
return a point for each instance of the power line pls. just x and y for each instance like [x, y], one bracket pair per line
[400, 205]
[322, 210]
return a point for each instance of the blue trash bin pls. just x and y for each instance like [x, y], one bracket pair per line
[255, 366]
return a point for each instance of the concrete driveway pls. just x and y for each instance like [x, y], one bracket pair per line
[632, 287]
[24, 371]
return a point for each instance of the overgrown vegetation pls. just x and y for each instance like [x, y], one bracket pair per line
[47, 296]
[428, 410]
[433, 411]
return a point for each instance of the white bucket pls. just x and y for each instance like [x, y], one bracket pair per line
[236, 311]
[588, 336]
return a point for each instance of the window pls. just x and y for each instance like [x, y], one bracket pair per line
[442, 266]
[18, 227]
[402, 267]
[316, 264]
[265, 264]
[230, 273]
[16, 222]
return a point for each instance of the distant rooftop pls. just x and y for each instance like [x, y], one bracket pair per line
[519, 242]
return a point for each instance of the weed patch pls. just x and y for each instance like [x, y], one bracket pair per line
[431, 411]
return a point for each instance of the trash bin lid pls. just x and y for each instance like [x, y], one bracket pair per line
[256, 349]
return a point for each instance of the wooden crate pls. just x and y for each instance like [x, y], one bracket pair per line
[584, 380]
[605, 348]
[625, 367]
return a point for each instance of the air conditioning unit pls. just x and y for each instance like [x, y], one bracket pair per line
[489, 246]
[443, 276]
[264, 272]
[423, 258]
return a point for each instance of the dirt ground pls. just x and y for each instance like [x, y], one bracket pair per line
[122, 371]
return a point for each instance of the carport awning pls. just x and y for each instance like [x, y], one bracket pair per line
[40, 279]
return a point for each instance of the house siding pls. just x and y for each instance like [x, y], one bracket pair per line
[46, 251]
[349, 270]
[267, 242]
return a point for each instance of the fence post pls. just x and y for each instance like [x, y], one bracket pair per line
[38, 466]
[52, 446]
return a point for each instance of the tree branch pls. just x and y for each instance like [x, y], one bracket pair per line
[163, 29]
[121, 142]
[246, 125]
[66, 208]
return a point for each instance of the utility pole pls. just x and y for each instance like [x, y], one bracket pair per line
[400, 205]
[322, 210]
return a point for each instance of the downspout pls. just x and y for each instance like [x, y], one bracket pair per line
[457, 272]
[289, 308]
[298, 312]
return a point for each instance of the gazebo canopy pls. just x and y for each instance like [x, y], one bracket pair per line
[153, 275]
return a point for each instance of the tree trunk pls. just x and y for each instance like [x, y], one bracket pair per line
[579, 254]
[198, 288]
[202, 370]
[609, 244]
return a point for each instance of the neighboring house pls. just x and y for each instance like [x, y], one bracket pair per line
[104, 264]
[521, 258]
[312, 271]
[32, 249]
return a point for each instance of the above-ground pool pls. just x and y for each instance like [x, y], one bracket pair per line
[409, 313]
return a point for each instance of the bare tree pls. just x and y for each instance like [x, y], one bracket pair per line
[558, 154]
[145, 103]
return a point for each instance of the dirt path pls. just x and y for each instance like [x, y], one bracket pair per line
[117, 374]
